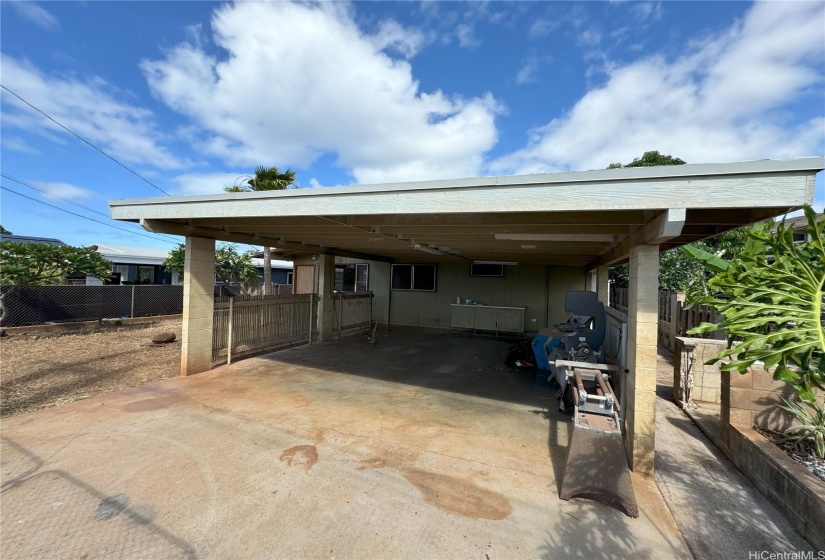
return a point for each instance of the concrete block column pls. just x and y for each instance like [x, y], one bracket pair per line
[602, 284]
[326, 286]
[198, 305]
[643, 323]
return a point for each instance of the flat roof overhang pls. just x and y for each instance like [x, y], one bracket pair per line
[574, 219]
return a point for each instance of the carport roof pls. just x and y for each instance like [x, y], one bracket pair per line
[573, 218]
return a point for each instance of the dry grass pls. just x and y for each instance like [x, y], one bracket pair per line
[39, 371]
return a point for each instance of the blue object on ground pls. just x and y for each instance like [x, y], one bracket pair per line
[542, 346]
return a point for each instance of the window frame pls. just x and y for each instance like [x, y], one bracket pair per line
[412, 277]
[355, 289]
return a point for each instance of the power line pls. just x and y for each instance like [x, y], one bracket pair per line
[82, 216]
[25, 184]
[73, 133]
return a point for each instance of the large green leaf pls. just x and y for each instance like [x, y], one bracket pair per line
[771, 296]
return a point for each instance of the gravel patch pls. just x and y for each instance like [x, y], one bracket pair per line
[39, 371]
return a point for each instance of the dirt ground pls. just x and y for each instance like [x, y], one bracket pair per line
[39, 371]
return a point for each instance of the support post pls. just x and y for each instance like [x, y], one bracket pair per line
[198, 305]
[643, 323]
[326, 285]
[311, 316]
[229, 333]
[132, 308]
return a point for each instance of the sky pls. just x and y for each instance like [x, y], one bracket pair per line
[186, 97]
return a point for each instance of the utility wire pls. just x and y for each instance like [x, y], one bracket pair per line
[82, 216]
[25, 184]
[73, 133]
[76, 135]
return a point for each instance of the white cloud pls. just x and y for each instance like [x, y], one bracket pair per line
[723, 100]
[647, 10]
[36, 14]
[203, 183]
[63, 190]
[466, 35]
[315, 183]
[320, 85]
[527, 72]
[541, 28]
[88, 108]
[590, 38]
[18, 145]
[405, 42]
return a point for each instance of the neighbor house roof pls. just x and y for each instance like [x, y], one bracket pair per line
[572, 218]
[119, 254]
[28, 239]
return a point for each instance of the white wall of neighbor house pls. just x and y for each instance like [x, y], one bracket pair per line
[523, 285]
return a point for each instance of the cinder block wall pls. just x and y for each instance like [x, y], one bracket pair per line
[707, 380]
[752, 399]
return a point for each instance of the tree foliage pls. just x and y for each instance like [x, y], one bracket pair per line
[40, 264]
[4, 230]
[231, 266]
[649, 159]
[264, 179]
[771, 296]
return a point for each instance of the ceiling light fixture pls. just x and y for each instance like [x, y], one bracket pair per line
[426, 249]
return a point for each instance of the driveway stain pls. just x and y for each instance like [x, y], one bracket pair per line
[449, 493]
[305, 455]
[154, 403]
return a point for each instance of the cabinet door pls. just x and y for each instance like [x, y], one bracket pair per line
[510, 320]
[462, 317]
[485, 318]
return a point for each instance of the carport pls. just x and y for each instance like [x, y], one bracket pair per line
[583, 222]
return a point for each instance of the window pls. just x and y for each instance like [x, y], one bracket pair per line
[289, 278]
[417, 277]
[352, 277]
[482, 269]
[146, 275]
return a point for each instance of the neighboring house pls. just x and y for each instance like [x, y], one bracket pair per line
[27, 239]
[136, 265]
[800, 226]
[281, 270]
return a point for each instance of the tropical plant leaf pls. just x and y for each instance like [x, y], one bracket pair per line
[771, 296]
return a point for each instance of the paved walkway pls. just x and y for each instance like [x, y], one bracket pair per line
[719, 512]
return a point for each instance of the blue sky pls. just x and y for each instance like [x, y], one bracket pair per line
[192, 95]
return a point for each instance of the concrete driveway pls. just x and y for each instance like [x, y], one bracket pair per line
[423, 446]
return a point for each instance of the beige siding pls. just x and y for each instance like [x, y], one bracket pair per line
[378, 283]
[562, 280]
[522, 286]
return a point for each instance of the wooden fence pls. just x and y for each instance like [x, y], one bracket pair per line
[243, 327]
[352, 312]
[675, 318]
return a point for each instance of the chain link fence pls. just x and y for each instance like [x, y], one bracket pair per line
[65, 304]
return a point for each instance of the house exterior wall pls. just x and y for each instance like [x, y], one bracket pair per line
[522, 286]
[378, 282]
[562, 279]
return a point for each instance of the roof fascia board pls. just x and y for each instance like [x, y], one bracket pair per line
[812, 164]
[755, 190]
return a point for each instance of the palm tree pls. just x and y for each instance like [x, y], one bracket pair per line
[265, 179]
